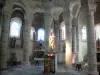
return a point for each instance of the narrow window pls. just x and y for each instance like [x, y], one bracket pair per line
[15, 27]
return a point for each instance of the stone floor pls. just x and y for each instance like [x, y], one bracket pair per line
[38, 70]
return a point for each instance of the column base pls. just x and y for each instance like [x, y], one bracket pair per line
[26, 63]
[3, 66]
[93, 73]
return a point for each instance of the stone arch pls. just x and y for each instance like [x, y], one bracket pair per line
[56, 12]
[61, 17]
[38, 20]
[19, 5]
[19, 12]
[74, 7]
[75, 10]
[38, 10]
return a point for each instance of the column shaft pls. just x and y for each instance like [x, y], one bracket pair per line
[91, 44]
[48, 21]
[74, 36]
[68, 42]
[57, 34]
[77, 43]
[26, 41]
[91, 40]
[77, 39]
[74, 40]
[4, 39]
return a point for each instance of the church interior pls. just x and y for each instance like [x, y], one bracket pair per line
[69, 30]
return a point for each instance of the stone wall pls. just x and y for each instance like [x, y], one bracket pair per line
[19, 51]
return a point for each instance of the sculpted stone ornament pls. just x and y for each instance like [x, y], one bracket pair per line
[20, 2]
[92, 7]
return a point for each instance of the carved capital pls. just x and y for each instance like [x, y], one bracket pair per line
[84, 7]
[6, 13]
[92, 7]
[88, 7]
[20, 2]
[67, 13]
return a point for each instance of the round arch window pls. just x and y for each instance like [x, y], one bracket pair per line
[32, 31]
[63, 31]
[41, 34]
[97, 31]
[15, 27]
[84, 33]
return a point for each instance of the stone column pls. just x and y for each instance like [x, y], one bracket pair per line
[74, 35]
[74, 40]
[68, 42]
[91, 42]
[26, 40]
[77, 42]
[48, 21]
[89, 7]
[57, 40]
[57, 34]
[4, 39]
[0, 22]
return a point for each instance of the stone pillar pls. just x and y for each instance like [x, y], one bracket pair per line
[26, 40]
[68, 42]
[57, 40]
[0, 22]
[74, 35]
[48, 21]
[89, 7]
[4, 39]
[77, 42]
[91, 42]
[74, 40]
[57, 34]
